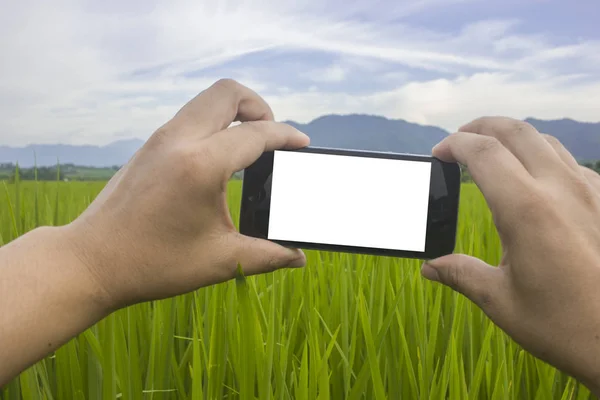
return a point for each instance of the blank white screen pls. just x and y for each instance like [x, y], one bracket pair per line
[348, 200]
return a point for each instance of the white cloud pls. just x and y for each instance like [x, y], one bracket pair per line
[452, 103]
[66, 70]
[333, 73]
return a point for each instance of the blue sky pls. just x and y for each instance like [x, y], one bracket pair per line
[87, 71]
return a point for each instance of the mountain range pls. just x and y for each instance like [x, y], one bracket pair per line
[354, 131]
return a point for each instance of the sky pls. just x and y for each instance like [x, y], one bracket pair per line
[93, 72]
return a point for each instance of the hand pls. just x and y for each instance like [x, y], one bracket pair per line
[546, 209]
[161, 227]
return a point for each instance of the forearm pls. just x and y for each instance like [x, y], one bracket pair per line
[46, 298]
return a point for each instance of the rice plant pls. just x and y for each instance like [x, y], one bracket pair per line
[344, 327]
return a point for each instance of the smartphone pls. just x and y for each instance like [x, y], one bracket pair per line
[378, 203]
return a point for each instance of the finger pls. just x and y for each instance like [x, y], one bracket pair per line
[241, 145]
[562, 152]
[592, 177]
[258, 256]
[475, 279]
[521, 139]
[499, 175]
[215, 108]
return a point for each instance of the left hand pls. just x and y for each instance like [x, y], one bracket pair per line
[162, 227]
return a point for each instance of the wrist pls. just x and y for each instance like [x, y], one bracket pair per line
[47, 297]
[79, 248]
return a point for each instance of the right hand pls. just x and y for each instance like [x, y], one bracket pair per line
[546, 208]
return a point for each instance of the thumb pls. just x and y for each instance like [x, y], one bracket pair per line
[475, 279]
[258, 256]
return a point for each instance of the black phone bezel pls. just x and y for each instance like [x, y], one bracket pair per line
[442, 213]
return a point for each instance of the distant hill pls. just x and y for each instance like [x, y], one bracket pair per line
[368, 132]
[116, 153]
[354, 131]
[580, 138]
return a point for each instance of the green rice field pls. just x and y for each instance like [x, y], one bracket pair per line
[344, 327]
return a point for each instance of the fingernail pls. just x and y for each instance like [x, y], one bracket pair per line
[465, 126]
[303, 134]
[297, 263]
[434, 262]
[430, 273]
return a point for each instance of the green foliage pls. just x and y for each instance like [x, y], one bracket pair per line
[465, 175]
[39, 173]
[345, 326]
[595, 165]
[67, 172]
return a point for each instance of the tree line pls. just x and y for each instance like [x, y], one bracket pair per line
[8, 171]
[593, 165]
[30, 174]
